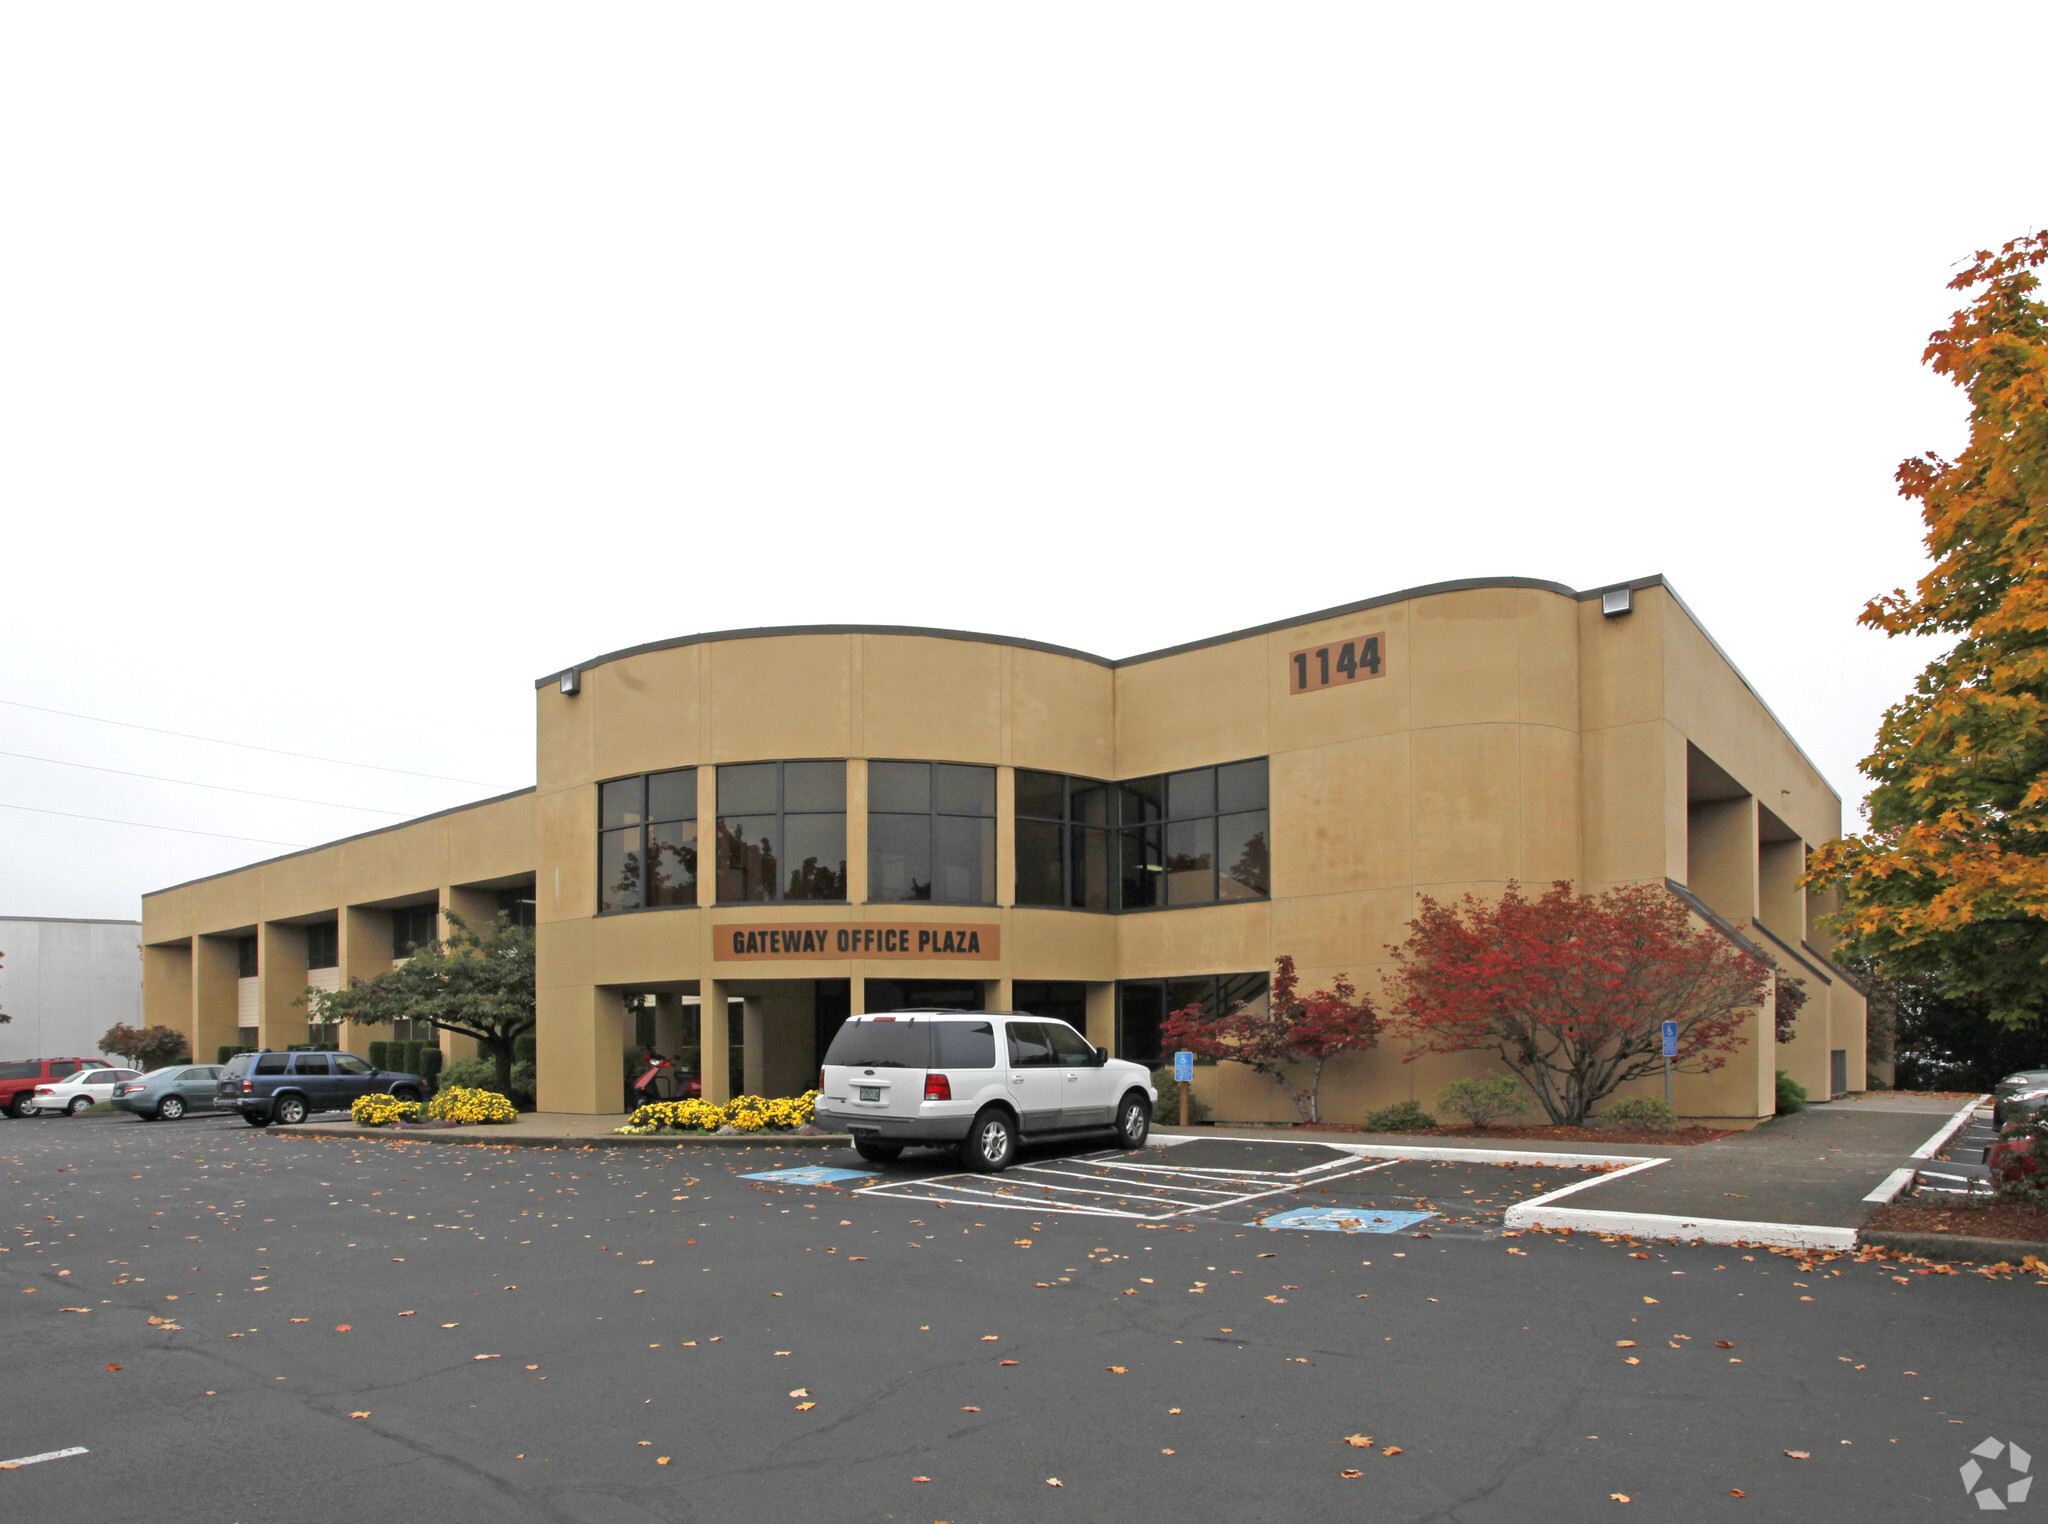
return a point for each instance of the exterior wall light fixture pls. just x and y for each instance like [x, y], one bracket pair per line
[1615, 602]
[571, 683]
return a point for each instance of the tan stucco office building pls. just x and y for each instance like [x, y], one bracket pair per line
[895, 817]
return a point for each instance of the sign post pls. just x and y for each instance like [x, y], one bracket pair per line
[1670, 1052]
[1183, 1076]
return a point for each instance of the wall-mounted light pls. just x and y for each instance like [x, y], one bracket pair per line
[571, 683]
[1615, 602]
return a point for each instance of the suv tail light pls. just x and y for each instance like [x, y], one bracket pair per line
[937, 1088]
[821, 1081]
[247, 1087]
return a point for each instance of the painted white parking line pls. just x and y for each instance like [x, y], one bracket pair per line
[1070, 1198]
[31, 1460]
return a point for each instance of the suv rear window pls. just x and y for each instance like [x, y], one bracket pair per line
[239, 1064]
[882, 1044]
[28, 1070]
[271, 1063]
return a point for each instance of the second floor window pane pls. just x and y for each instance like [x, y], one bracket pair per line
[647, 841]
[1064, 853]
[931, 833]
[781, 832]
[1194, 837]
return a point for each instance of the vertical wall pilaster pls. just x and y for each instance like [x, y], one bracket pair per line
[714, 1061]
[280, 982]
[167, 993]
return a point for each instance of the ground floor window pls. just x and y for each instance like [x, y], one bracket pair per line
[1142, 1006]
[1061, 999]
[924, 994]
[245, 1037]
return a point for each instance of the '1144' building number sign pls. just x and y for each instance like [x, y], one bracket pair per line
[1350, 661]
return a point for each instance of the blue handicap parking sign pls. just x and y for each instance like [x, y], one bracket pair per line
[1345, 1219]
[1184, 1067]
[1671, 1039]
[814, 1175]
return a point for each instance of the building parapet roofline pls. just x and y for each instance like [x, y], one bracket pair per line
[1429, 589]
[342, 841]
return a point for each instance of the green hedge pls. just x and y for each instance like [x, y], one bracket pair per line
[524, 1049]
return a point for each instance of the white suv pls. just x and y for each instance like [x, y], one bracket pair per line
[978, 1081]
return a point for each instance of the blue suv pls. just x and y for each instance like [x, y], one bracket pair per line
[289, 1087]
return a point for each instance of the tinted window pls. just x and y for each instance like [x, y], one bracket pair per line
[1029, 1048]
[270, 1063]
[323, 945]
[348, 1063]
[931, 832]
[312, 1063]
[118, 1074]
[866, 1044]
[1213, 847]
[781, 831]
[963, 1045]
[245, 957]
[62, 1067]
[1063, 854]
[646, 842]
[1069, 1047]
[239, 1064]
[21, 1071]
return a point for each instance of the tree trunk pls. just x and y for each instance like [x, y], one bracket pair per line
[501, 1054]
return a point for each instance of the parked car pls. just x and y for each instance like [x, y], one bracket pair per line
[167, 1094]
[289, 1087]
[20, 1076]
[2029, 1105]
[82, 1091]
[2012, 1085]
[977, 1081]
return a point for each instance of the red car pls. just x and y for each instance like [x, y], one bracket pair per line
[20, 1076]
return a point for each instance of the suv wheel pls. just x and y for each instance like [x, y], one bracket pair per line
[254, 1120]
[991, 1142]
[407, 1093]
[81, 1106]
[23, 1106]
[877, 1153]
[1133, 1122]
[170, 1108]
[289, 1109]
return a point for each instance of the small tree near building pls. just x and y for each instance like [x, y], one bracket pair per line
[145, 1047]
[1294, 1033]
[1572, 990]
[475, 984]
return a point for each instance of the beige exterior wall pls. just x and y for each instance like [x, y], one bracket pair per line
[1516, 733]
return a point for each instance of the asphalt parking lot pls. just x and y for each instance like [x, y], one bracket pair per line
[234, 1325]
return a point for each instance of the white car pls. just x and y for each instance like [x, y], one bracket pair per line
[84, 1090]
[978, 1081]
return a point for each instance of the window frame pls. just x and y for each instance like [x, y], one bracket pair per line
[1068, 824]
[932, 815]
[1215, 1002]
[1159, 826]
[782, 813]
[643, 829]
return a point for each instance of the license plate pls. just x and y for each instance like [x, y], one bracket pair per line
[869, 1092]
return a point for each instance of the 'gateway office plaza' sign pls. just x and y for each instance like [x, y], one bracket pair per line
[745, 944]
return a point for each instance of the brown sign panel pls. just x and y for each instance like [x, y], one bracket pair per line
[912, 939]
[1339, 662]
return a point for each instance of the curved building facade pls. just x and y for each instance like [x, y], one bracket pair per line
[735, 840]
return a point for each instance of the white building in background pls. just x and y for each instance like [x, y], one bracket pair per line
[64, 982]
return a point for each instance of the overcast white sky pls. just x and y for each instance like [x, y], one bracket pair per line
[362, 363]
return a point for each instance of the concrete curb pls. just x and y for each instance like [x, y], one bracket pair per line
[484, 1139]
[1955, 1124]
[1953, 1246]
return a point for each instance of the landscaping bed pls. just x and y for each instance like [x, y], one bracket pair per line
[1998, 1218]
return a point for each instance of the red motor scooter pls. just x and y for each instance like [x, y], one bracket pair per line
[663, 1082]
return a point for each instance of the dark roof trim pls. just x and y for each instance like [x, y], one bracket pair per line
[1719, 922]
[342, 841]
[1793, 953]
[1465, 584]
[69, 920]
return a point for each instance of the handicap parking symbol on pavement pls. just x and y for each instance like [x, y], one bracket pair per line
[1345, 1220]
[813, 1175]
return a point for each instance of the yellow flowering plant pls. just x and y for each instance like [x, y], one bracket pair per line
[456, 1104]
[382, 1110]
[743, 1113]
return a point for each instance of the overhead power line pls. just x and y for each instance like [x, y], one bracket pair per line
[333, 804]
[304, 756]
[146, 826]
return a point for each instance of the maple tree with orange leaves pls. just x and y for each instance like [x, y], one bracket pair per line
[1951, 878]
